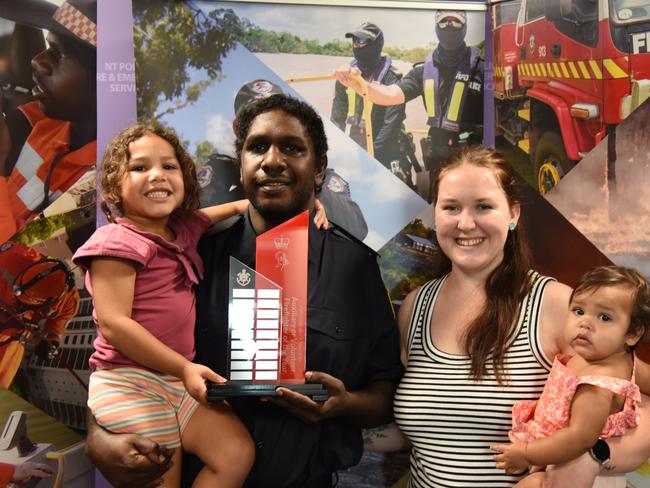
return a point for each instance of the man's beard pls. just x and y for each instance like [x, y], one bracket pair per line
[277, 212]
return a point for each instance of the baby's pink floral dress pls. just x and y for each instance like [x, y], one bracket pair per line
[540, 418]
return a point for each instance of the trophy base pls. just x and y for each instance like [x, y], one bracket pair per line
[220, 391]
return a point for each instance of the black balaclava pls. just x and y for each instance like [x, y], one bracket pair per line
[369, 56]
[451, 45]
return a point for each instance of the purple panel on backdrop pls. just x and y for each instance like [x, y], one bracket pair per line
[116, 103]
[488, 85]
[100, 481]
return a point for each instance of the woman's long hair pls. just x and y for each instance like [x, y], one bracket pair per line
[508, 283]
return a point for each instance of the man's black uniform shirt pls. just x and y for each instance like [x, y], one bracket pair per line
[351, 334]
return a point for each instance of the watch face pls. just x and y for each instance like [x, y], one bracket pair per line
[600, 450]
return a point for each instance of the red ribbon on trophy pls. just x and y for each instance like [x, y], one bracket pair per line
[281, 257]
[267, 317]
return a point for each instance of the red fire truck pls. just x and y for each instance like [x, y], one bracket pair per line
[565, 73]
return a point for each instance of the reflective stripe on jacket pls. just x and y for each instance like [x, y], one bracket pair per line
[354, 115]
[45, 155]
[447, 116]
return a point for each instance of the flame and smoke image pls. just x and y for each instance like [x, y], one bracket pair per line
[607, 195]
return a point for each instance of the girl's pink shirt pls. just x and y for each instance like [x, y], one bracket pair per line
[166, 272]
[540, 418]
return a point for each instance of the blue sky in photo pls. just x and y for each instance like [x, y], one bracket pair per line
[386, 202]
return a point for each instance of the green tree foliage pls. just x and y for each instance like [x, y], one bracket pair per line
[204, 150]
[338, 47]
[415, 55]
[174, 42]
[403, 270]
[43, 228]
[417, 228]
[192, 94]
[259, 40]
[255, 38]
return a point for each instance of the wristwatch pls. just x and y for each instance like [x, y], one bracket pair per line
[600, 453]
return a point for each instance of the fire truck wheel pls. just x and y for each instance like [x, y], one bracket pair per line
[551, 161]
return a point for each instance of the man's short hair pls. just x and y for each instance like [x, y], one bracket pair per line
[302, 111]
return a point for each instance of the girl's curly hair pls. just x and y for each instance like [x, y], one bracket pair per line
[116, 157]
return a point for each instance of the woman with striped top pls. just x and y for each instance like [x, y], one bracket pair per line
[482, 336]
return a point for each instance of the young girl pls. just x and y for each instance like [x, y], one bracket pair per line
[592, 394]
[142, 269]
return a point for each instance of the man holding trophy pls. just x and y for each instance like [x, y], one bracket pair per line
[352, 344]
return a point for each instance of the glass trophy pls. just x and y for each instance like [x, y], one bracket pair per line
[267, 317]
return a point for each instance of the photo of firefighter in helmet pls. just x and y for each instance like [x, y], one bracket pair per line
[450, 82]
[48, 142]
[37, 298]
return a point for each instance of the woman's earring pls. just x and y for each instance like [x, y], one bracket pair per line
[511, 226]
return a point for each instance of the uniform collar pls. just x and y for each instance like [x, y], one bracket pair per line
[316, 237]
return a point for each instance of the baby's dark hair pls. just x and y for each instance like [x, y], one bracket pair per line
[116, 157]
[621, 276]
